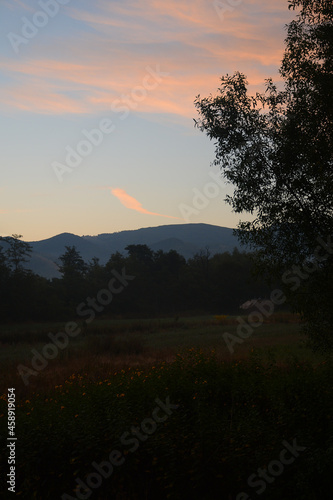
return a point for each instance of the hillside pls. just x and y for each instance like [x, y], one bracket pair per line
[186, 239]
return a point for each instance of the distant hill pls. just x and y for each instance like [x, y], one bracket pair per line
[186, 239]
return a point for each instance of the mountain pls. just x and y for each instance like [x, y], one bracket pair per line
[186, 239]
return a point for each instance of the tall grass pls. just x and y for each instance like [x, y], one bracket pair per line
[231, 420]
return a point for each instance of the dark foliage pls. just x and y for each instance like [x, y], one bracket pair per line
[276, 148]
[165, 284]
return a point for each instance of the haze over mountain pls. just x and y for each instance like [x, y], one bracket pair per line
[186, 239]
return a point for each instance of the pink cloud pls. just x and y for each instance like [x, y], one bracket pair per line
[187, 40]
[133, 204]
[38, 101]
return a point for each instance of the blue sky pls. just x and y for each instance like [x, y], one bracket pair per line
[113, 83]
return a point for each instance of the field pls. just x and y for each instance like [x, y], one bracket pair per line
[157, 409]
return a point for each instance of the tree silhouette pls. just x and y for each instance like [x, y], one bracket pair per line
[73, 269]
[276, 148]
[18, 252]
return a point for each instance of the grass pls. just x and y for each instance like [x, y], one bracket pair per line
[234, 411]
[123, 343]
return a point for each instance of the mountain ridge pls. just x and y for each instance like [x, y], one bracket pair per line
[186, 239]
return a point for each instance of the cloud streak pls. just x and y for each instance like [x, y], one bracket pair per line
[133, 204]
[105, 54]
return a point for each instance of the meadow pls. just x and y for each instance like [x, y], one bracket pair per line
[160, 409]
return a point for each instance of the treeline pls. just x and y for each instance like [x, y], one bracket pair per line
[164, 283]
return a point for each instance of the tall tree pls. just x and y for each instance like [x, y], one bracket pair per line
[17, 252]
[169, 287]
[4, 280]
[72, 263]
[73, 269]
[276, 148]
[17, 282]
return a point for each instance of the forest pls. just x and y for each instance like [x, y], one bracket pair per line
[162, 283]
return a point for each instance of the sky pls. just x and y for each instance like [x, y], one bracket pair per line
[97, 109]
